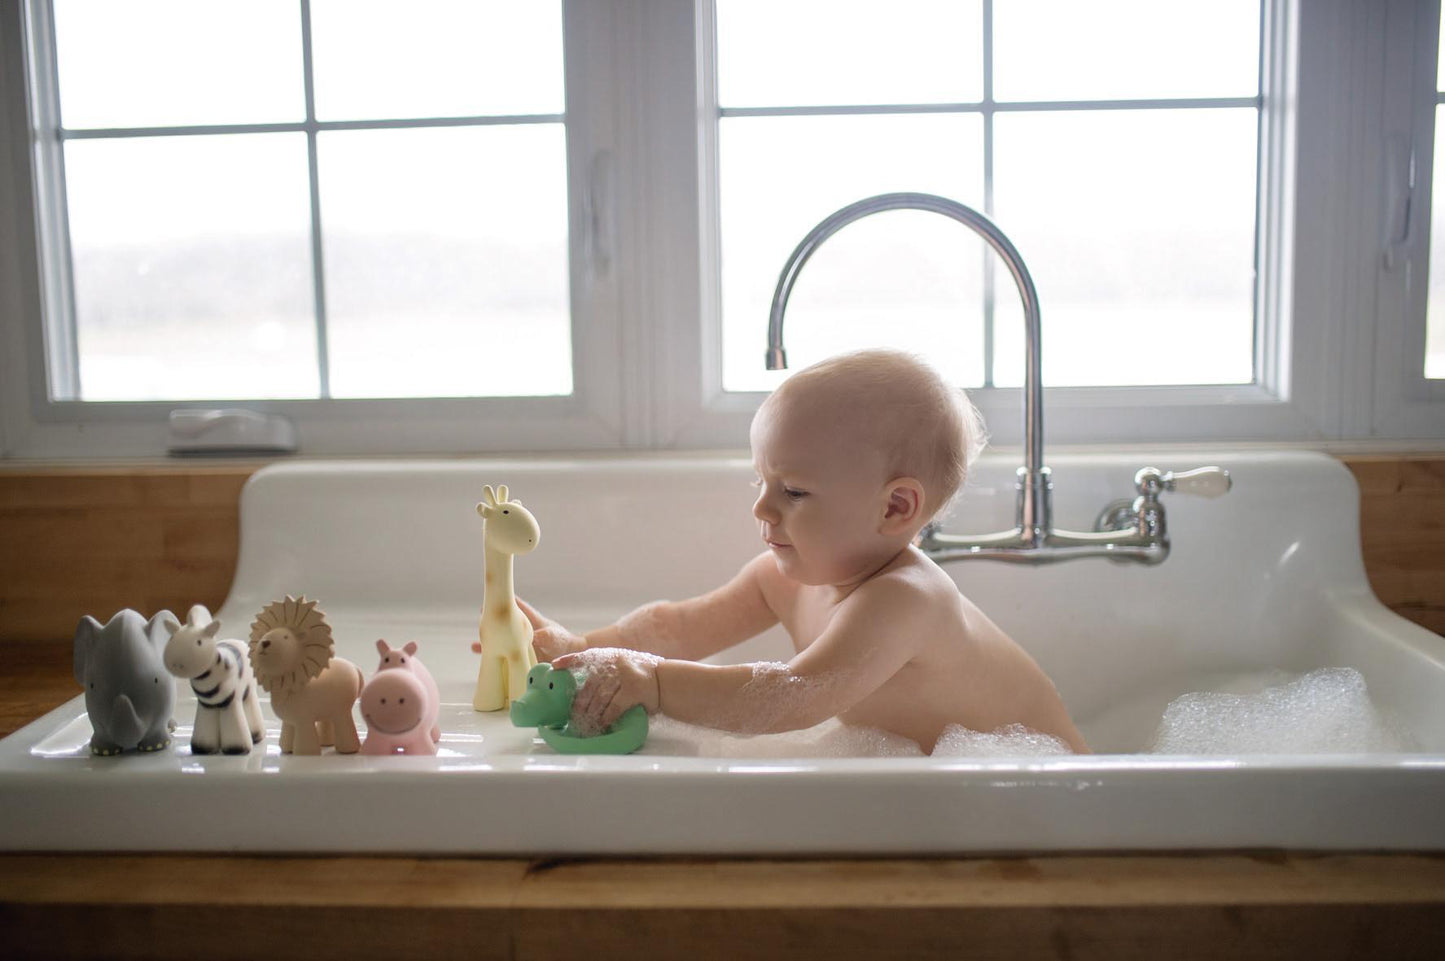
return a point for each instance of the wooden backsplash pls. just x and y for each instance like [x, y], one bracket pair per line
[91, 540]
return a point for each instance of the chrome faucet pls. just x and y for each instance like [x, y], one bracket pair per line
[1128, 530]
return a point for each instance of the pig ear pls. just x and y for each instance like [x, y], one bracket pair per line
[171, 627]
[212, 629]
[382, 648]
[410, 647]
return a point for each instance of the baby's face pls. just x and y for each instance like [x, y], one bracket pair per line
[820, 499]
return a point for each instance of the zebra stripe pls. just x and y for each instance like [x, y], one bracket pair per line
[230, 670]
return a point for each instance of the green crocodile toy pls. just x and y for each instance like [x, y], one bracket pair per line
[547, 706]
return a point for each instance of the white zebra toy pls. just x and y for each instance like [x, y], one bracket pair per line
[228, 714]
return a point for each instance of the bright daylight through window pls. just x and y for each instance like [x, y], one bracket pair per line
[1434, 321]
[302, 217]
[1116, 146]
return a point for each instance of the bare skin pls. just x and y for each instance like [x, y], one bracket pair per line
[882, 636]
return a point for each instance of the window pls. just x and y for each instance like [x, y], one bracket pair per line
[1435, 325]
[358, 204]
[586, 263]
[1115, 143]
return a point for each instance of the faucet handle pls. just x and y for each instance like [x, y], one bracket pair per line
[1202, 481]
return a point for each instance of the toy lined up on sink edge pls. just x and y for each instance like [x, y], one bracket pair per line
[291, 654]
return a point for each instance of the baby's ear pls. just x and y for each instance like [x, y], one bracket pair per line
[904, 506]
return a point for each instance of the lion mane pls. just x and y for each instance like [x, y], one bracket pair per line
[302, 635]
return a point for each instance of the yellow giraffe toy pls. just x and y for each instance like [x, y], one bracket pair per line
[506, 634]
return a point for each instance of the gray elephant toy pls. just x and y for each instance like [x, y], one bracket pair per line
[129, 694]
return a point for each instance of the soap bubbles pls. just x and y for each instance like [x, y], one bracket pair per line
[1013, 740]
[1327, 711]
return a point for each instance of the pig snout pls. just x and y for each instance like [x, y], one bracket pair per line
[393, 702]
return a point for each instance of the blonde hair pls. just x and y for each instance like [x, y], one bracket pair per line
[899, 404]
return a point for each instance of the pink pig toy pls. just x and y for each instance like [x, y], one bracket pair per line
[400, 704]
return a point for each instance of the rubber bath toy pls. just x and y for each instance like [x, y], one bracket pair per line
[547, 706]
[505, 634]
[228, 714]
[400, 703]
[312, 690]
[129, 695]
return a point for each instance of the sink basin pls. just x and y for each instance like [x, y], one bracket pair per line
[1266, 582]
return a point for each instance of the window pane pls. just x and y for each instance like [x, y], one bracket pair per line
[1125, 49]
[154, 63]
[1138, 228]
[446, 261]
[912, 280]
[1434, 323]
[192, 267]
[809, 52]
[436, 58]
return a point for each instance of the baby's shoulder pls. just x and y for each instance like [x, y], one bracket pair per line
[912, 582]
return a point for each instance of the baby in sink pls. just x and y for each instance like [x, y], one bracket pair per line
[853, 455]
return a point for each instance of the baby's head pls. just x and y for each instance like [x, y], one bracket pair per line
[892, 414]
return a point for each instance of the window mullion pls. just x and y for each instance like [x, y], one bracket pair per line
[989, 281]
[62, 330]
[318, 262]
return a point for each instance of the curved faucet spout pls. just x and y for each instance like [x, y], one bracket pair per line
[1033, 507]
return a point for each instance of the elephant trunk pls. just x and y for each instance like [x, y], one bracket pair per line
[126, 727]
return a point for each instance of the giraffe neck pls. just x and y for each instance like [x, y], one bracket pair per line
[499, 580]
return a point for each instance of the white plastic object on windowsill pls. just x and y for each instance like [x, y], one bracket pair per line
[230, 431]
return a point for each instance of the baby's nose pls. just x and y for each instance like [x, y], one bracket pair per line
[763, 511]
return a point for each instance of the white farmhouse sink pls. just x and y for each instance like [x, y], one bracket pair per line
[1268, 578]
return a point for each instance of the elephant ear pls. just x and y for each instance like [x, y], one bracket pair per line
[160, 628]
[85, 634]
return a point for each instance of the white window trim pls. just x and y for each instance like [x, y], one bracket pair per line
[1406, 404]
[34, 425]
[646, 333]
[1310, 350]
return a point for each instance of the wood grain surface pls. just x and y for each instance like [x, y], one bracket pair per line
[1217, 906]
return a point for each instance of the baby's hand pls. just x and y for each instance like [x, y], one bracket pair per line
[617, 679]
[549, 639]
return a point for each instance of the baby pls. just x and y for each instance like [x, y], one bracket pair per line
[853, 455]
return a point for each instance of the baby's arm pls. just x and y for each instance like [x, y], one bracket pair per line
[693, 628]
[872, 636]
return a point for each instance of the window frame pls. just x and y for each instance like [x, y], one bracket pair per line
[1406, 403]
[35, 423]
[647, 367]
[1279, 406]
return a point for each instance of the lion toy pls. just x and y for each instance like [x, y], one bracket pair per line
[312, 691]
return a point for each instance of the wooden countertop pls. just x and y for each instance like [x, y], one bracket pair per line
[1236, 905]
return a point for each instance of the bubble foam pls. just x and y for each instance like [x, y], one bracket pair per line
[1013, 740]
[832, 739]
[1327, 711]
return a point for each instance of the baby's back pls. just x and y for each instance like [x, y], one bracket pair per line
[965, 671]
